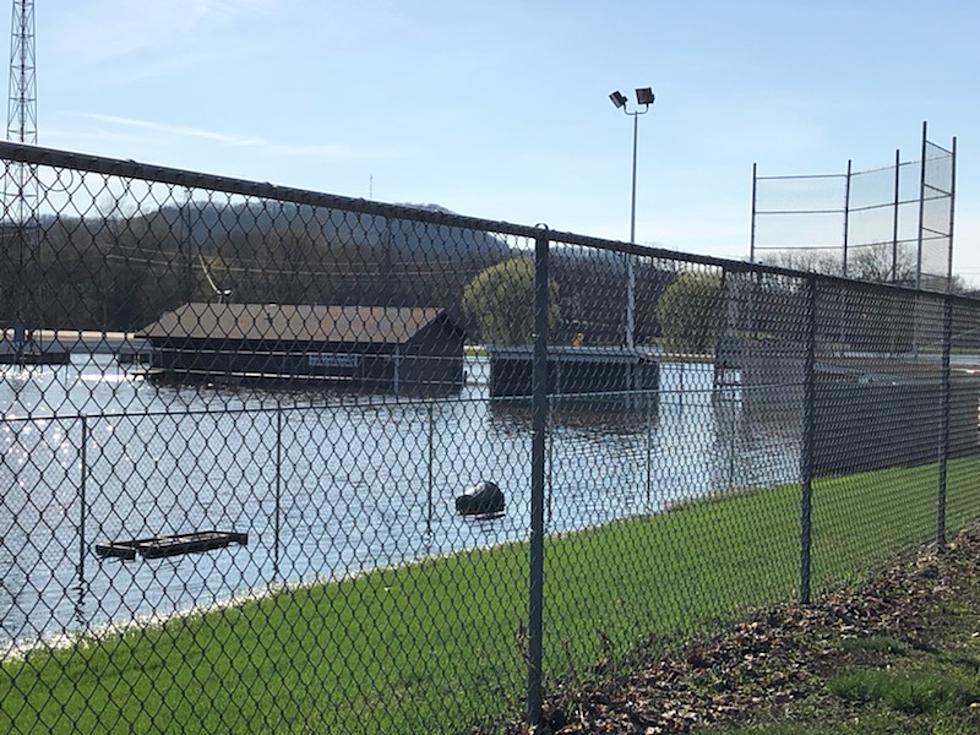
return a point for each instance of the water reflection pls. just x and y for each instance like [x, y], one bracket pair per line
[598, 415]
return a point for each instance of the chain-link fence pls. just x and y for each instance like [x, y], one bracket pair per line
[892, 224]
[280, 461]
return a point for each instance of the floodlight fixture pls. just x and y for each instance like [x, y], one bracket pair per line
[644, 96]
[617, 98]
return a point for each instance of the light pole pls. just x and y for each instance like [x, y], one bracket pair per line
[644, 98]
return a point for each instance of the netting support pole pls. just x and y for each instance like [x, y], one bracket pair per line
[922, 205]
[539, 401]
[806, 448]
[898, 174]
[952, 218]
[944, 424]
[847, 212]
[755, 179]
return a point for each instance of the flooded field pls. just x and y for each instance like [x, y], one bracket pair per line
[324, 486]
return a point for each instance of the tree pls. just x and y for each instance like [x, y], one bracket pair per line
[874, 263]
[813, 261]
[689, 312]
[500, 299]
[871, 262]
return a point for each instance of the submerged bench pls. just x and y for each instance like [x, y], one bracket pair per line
[161, 546]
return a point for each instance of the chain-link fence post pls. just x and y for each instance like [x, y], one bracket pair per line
[732, 436]
[806, 453]
[648, 431]
[551, 461]
[83, 502]
[944, 423]
[431, 457]
[539, 428]
[680, 388]
[278, 510]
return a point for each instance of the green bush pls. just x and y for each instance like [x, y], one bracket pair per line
[689, 312]
[501, 301]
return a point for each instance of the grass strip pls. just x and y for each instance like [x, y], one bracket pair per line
[438, 646]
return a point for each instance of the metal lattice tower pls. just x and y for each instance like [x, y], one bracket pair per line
[21, 180]
[20, 184]
[22, 90]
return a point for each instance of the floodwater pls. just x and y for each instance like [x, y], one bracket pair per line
[324, 486]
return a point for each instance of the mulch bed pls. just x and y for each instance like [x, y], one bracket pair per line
[768, 662]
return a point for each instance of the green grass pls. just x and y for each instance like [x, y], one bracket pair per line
[884, 644]
[867, 724]
[438, 645]
[924, 680]
[888, 686]
[909, 692]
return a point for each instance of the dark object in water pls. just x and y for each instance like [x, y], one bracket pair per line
[482, 499]
[160, 546]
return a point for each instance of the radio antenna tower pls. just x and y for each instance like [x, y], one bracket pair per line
[22, 97]
[20, 180]
[22, 110]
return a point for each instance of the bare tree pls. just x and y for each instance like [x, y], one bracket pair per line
[872, 262]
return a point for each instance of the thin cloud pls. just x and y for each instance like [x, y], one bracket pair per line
[178, 130]
[334, 151]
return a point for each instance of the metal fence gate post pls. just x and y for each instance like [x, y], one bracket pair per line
[944, 423]
[539, 428]
[806, 449]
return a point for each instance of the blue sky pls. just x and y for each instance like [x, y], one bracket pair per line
[499, 109]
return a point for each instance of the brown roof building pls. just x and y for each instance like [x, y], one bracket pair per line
[379, 348]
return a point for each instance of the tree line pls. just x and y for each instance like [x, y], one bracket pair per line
[121, 271]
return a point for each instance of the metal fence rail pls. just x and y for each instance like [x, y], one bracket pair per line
[272, 403]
